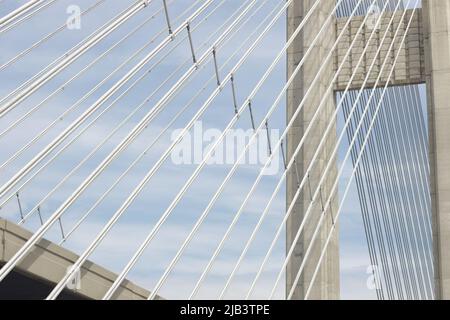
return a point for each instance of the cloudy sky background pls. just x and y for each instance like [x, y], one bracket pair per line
[126, 236]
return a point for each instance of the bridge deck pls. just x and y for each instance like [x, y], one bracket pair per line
[48, 263]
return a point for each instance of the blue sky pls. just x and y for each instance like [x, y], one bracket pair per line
[119, 245]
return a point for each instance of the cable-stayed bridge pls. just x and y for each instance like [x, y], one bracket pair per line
[214, 148]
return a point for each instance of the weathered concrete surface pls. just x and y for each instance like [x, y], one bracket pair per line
[436, 17]
[49, 262]
[326, 285]
[425, 57]
[410, 66]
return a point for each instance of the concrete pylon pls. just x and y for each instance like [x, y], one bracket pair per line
[436, 17]
[326, 285]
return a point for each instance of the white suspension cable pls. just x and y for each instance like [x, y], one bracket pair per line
[38, 83]
[422, 205]
[41, 231]
[85, 97]
[117, 86]
[319, 108]
[83, 70]
[26, 17]
[206, 157]
[148, 176]
[63, 87]
[146, 100]
[62, 57]
[345, 158]
[279, 185]
[19, 12]
[408, 174]
[292, 161]
[137, 255]
[179, 113]
[99, 145]
[314, 158]
[46, 38]
[301, 143]
[425, 188]
[421, 126]
[356, 163]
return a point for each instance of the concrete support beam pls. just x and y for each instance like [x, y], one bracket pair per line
[410, 66]
[326, 285]
[425, 57]
[49, 262]
[436, 17]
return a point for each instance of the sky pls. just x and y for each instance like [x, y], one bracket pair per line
[116, 249]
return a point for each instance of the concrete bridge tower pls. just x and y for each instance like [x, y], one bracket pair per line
[436, 17]
[433, 23]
